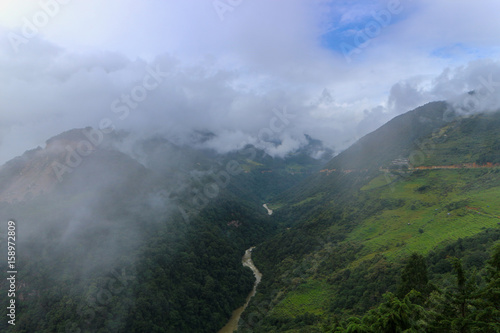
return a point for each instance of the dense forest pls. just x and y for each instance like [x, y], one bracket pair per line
[118, 246]
[170, 283]
[453, 289]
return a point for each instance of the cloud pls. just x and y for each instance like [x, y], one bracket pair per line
[470, 88]
[226, 77]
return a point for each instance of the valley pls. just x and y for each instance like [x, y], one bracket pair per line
[233, 166]
[343, 257]
[332, 238]
[232, 325]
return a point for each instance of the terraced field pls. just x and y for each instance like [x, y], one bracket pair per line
[440, 206]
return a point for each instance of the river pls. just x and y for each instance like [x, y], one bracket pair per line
[232, 324]
[269, 211]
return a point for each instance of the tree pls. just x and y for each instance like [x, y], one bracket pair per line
[356, 325]
[398, 315]
[460, 309]
[491, 294]
[414, 277]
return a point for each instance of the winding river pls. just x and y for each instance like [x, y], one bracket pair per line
[269, 211]
[232, 324]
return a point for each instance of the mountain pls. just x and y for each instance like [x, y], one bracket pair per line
[121, 233]
[424, 183]
[118, 233]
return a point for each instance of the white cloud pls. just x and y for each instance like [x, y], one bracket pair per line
[228, 76]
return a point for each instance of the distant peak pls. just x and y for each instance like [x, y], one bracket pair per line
[73, 135]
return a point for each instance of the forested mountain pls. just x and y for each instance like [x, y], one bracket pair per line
[397, 232]
[413, 205]
[142, 235]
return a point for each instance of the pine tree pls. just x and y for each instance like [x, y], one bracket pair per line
[490, 312]
[461, 304]
[414, 277]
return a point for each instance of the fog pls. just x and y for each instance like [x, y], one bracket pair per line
[227, 73]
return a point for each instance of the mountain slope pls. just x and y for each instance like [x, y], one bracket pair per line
[350, 228]
[394, 139]
[124, 234]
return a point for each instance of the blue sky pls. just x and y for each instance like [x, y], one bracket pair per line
[63, 63]
[366, 20]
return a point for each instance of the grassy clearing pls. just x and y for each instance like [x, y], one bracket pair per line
[275, 206]
[382, 180]
[294, 167]
[250, 165]
[311, 296]
[316, 197]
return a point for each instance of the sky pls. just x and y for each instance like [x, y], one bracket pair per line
[252, 72]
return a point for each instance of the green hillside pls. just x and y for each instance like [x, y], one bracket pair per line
[413, 205]
[350, 231]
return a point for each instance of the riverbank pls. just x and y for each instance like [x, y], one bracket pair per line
[232, 324]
